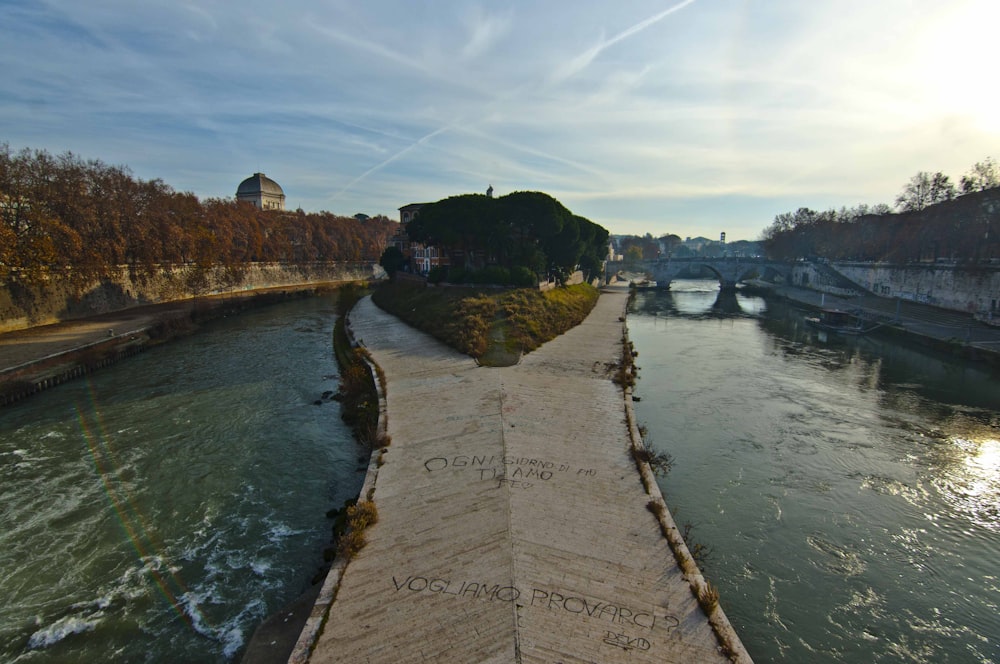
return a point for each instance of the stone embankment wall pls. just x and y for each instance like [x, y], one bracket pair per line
[814, 276]
[56, 300]
[949, 286]
[970, 290]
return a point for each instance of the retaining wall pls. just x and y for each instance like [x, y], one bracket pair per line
[960, 288]
[56, 300]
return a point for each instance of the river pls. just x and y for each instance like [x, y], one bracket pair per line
[157, 510]
[848, 492]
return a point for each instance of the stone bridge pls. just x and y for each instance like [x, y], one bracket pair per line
[729, 270]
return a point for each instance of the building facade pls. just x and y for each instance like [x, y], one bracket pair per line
[262, 191]
[422, 258]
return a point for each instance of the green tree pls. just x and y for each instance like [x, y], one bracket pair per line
[633, 255]
[459, 222]
[392, 260]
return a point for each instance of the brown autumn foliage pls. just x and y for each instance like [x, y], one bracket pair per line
[87, 220]
[965, 230]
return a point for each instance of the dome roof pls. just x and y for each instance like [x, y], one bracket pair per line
[259, 183]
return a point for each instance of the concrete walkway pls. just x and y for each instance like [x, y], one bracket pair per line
[513, 524]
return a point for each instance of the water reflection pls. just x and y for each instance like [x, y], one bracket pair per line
[726, 303]
[697, 299]
[944, 406]
[850, 489]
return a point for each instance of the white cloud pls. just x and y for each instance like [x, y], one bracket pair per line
[639, 114]
[485, 30]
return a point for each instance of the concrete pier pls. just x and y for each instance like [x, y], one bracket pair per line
[513, 523]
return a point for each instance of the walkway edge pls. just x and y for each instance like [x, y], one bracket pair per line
[724, 631]
[729, 642]
[321, 609]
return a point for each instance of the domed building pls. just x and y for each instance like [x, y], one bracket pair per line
[262, 191]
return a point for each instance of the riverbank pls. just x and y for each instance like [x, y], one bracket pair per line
[945, 331]
[41, 357]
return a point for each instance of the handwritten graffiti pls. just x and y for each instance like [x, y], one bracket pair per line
[546, 600]
[626, 642]
[504, 468]
[618, 615]
[470, 589]
[513, 484]
[516, 474]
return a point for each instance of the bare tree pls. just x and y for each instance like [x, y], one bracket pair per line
[925, 189]
[982, 176]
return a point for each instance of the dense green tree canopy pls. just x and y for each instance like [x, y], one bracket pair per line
[392, 260]
[522, 229]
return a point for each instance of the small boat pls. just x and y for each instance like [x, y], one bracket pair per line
[838, 321]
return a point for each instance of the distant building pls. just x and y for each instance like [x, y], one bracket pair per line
[421, 258]
[409, 212]
[613, 252]
[262, 191]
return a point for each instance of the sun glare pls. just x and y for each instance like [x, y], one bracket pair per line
[956, 66]
[987, 458]
[981, 470]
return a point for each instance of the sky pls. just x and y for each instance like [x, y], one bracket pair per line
[692, 117]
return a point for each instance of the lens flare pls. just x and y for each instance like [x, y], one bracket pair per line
[139, 535]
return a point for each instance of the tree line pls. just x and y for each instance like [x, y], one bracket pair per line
[524, 229]
[88, 220]
[935, 219]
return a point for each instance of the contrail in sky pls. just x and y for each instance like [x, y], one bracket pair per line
[383, 164]
[582, 61]
[574, 66]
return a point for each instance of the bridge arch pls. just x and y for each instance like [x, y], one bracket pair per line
[729, 270]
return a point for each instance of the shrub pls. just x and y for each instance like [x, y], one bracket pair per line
[494, 275]
[522, 277]
[437, 274]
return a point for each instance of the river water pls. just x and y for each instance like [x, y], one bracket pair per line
[157, 510]
[849, 492]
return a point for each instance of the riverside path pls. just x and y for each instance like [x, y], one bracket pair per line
[513, 523]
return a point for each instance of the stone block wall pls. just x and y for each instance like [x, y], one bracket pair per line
[966, 289]
[55, 300]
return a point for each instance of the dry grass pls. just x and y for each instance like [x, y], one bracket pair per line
[708, 598]
[659, 462]
[474, 320]
[350, 543]
[359, 518]
[362, 515]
